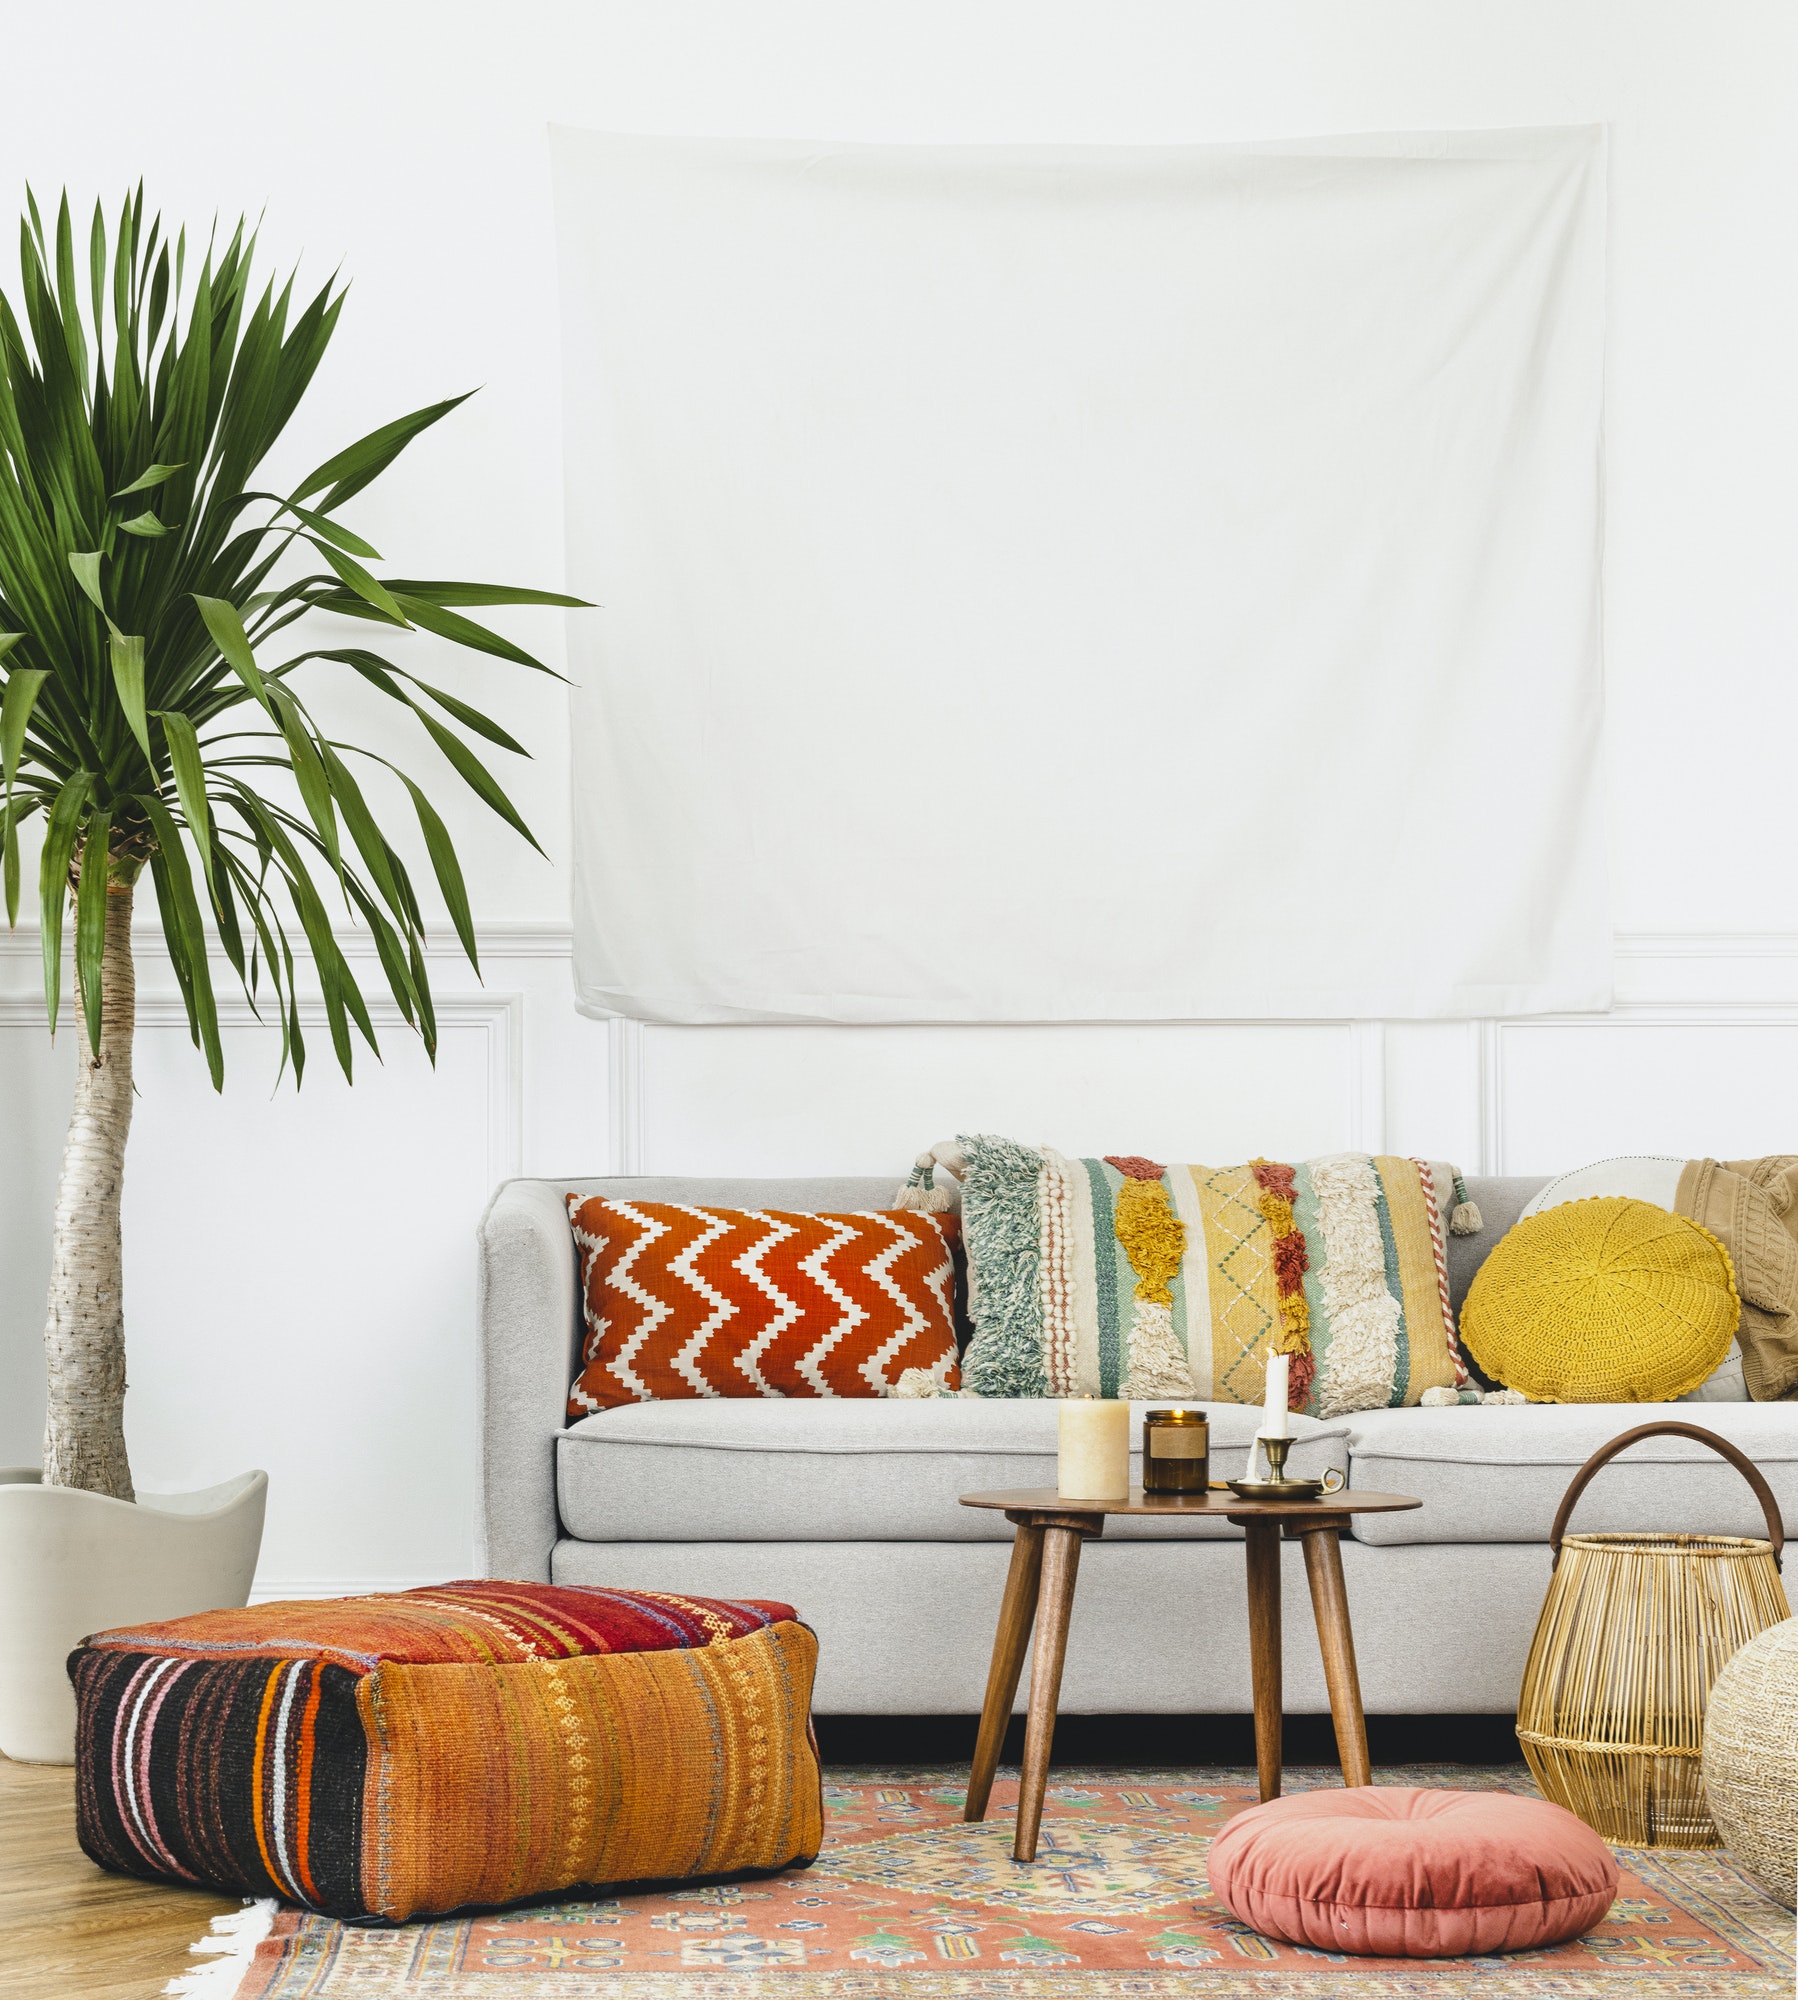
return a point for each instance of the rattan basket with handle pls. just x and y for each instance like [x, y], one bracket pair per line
[1634, 1630]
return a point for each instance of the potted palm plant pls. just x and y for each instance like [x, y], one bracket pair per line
[160, 662]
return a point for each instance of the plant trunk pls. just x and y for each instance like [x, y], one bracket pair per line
[84, 1332]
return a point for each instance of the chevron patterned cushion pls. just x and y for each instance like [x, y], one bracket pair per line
[683, 1301]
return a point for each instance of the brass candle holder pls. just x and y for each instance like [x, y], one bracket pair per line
[1276, 1486]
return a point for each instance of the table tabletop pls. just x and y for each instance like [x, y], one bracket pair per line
[1045, 1500]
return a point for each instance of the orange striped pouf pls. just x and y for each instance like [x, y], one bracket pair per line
[469, 1744]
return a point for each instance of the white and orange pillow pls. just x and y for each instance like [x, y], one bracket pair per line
[681, 1300]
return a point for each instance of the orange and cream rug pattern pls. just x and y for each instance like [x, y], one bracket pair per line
[906, 1902]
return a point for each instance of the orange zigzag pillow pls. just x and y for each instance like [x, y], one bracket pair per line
[683, 1301]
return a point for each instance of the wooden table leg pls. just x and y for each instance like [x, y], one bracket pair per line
[1060, 1567]
[1336, 1641]
[1016, 1615]
[1262, 1538]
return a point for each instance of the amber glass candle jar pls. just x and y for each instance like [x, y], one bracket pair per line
[1176, 1451]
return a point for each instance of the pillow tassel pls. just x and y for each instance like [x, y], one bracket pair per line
[917, 1385]
[920, 1192]
[1466, 1219]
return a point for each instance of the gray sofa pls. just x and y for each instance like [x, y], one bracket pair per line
[848, 1509]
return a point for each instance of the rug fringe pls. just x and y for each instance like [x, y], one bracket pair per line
[232, 1945]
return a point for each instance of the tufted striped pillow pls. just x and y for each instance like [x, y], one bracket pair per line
[1124, 1277]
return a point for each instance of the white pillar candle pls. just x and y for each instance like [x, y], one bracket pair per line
[1093, 1459]
[1274, 1423]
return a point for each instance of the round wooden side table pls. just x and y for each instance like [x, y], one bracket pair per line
[1039, 1592]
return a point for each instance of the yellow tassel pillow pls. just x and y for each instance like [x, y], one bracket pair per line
[1606, 1300]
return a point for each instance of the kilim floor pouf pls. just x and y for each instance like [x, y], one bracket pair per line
[1403, 1872]
[460, 1746]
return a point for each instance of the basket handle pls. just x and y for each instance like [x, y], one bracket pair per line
[1776, 1532]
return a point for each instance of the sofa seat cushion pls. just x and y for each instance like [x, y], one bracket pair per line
[852, 1471]
[1496, 1473]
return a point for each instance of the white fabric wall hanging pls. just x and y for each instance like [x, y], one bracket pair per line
[1086, 583]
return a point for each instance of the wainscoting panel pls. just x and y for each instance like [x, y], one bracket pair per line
[865, 1100]
[299, 1289]
[1697, 1084]
[1432, 1096]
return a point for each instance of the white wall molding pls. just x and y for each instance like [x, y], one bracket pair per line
[1367, 1086]
[1705, 944]
[555, 939]
[498, 1015]
[1717, 1010]
[1488, 1098]
[625, 1095]
[1497, 1040]
[1695, 970]
[1705, 968]
[492, 940]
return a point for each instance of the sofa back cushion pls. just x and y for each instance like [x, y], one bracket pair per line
[1501, 1200]
[684, 1299]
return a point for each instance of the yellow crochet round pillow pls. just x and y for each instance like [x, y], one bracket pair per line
[1605, 1300]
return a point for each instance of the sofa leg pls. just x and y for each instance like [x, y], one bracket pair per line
[1016, 1616]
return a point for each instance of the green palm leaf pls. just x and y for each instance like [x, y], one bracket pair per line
[147, 688]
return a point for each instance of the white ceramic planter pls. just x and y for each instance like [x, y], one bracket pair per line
[73, 1563]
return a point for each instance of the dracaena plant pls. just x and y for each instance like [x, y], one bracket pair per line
[164, 701]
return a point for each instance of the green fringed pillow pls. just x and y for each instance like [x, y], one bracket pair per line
[1124, 1277]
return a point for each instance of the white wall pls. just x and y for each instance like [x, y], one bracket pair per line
[299, 1270]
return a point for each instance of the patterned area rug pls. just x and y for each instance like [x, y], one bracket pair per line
[908, 1903]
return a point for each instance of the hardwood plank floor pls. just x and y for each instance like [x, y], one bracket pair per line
[69, 1930]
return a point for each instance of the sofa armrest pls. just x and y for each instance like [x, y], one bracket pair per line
[527, 1299]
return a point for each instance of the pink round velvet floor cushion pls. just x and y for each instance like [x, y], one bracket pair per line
[1397, 1872]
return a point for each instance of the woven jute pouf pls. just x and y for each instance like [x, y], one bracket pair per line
[466, 1745]
[1751, 1760]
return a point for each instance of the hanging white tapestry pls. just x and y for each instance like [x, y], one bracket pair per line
[1086, 583]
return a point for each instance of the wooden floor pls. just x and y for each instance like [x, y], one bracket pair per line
[70, 1931]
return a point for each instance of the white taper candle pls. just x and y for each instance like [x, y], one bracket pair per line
[1274, 1423]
